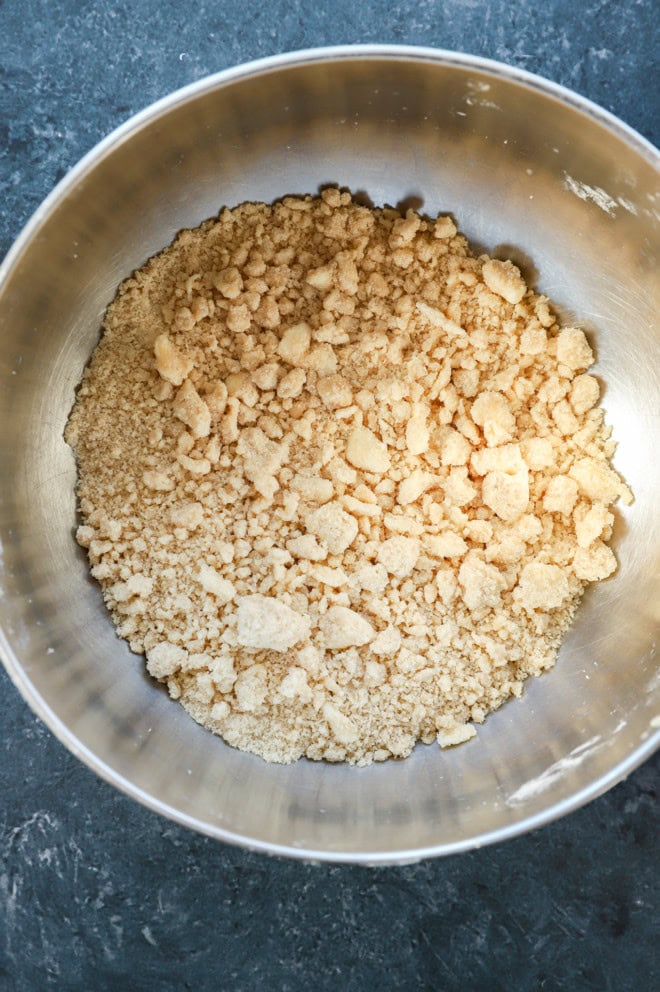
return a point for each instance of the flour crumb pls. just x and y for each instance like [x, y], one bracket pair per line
[342, 482]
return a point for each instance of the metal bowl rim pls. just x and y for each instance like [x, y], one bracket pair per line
[90, 160]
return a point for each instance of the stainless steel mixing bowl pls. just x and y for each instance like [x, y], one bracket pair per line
[531, 171]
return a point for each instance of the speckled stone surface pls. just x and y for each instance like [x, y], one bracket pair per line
[99, 894]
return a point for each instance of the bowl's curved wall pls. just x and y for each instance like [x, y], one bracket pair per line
[529, 171]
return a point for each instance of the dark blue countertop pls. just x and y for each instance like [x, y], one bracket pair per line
[97, 893]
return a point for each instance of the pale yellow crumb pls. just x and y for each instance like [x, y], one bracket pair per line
[342, 482]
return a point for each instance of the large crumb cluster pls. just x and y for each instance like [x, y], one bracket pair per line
[341, 481]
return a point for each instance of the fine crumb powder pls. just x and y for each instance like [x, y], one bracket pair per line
[342, 481]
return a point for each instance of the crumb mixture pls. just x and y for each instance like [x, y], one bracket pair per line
[342, 481]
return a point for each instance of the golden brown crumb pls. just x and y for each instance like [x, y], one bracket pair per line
[341, 481]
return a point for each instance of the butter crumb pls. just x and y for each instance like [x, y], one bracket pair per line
[341, 481]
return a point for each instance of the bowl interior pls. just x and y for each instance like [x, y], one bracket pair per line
[527, 175]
